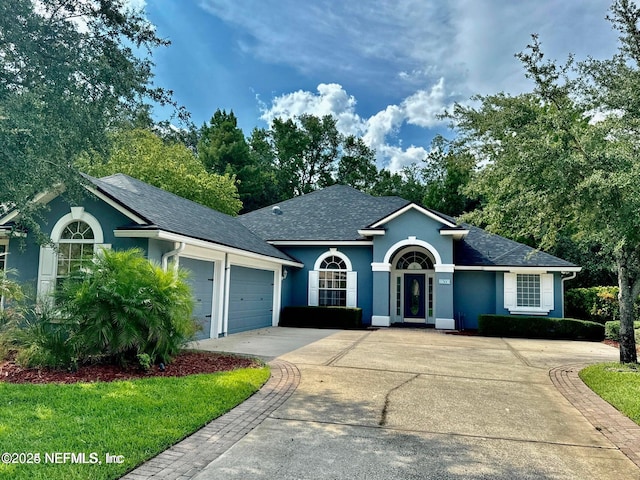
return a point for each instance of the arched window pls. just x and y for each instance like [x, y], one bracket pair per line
[76, 236]
[414, 260]
[332, 283]
[75, 247]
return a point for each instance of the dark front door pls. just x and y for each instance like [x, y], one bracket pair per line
[414, 296]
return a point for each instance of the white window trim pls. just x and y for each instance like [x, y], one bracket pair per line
[48, 260]
[546, 294]
[314, 279]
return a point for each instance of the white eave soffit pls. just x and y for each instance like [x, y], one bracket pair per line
[170, 236]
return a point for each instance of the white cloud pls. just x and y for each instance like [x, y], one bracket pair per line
[399, 158]
[423, 107]
[378, 130]
[331, 99]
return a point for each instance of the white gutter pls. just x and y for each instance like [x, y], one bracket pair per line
[564, 279]
[172, 253]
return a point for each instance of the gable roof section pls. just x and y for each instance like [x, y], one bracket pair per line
[481, 249]
[175, 214]
[334, 213]
[337, 213]
[448, 222]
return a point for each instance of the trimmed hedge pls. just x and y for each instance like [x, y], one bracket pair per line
[612, 330]
[539, 327]
[321, 317]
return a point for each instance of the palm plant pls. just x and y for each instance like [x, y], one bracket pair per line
[121, 305]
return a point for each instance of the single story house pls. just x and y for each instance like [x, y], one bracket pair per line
[397, 261]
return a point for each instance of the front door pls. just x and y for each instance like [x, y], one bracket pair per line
[414, 297]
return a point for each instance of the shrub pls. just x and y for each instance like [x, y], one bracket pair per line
[121, 305]
[597, 304]
[539, 327]
[612, 331]
[321, 317]
[42, 339]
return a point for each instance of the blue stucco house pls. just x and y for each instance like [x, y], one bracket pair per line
[398, 261]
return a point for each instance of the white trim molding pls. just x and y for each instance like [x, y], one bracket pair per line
[512, 269]
[444, 268]
[445, 324]
[412, 206]
[413, 242]
[335, 253]
[372, 232]
[380, 267]
[123, 210]
[380, 321]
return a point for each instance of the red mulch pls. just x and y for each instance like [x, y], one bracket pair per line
[186, 363]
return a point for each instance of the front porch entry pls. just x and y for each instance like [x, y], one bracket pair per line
[413, 295]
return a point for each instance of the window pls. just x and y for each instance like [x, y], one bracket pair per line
[74, 248]
[77, 236]
[414, 261]
[528, 290]
[529, 293]
[332, 282]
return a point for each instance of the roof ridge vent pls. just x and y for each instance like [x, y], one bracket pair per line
[276, 210]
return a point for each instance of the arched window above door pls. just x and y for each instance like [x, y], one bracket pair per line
[414, 260]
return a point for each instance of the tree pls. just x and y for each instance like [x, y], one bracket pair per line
[357, 165]
[447, 173]
[305, 151]
[68, 72]
[563, 159]
[223, 149]
[408, 183]
[173, 167]
[221, 144]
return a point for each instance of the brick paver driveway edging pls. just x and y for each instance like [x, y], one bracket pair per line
[619, 429]
[189, 457]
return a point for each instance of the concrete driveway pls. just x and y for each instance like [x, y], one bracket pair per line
[405, 404]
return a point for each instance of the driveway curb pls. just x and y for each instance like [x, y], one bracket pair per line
[189, 457]
[619, 429]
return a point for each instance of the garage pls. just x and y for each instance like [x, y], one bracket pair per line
[201, 282]
[250, 299]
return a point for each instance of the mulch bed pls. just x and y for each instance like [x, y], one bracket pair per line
[186, 363]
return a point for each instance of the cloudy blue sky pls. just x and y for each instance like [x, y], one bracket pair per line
[384, 68]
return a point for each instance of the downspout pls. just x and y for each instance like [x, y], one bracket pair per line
[226, 279]
[172, 253]
[564, 279]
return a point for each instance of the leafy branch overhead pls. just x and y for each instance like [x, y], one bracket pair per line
[70, 72]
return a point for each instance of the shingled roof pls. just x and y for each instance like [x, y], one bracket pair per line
[334, 213]
[483, 249]
[175, 214]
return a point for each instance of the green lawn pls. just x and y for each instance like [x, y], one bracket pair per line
[135, 419]
[618, 384]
